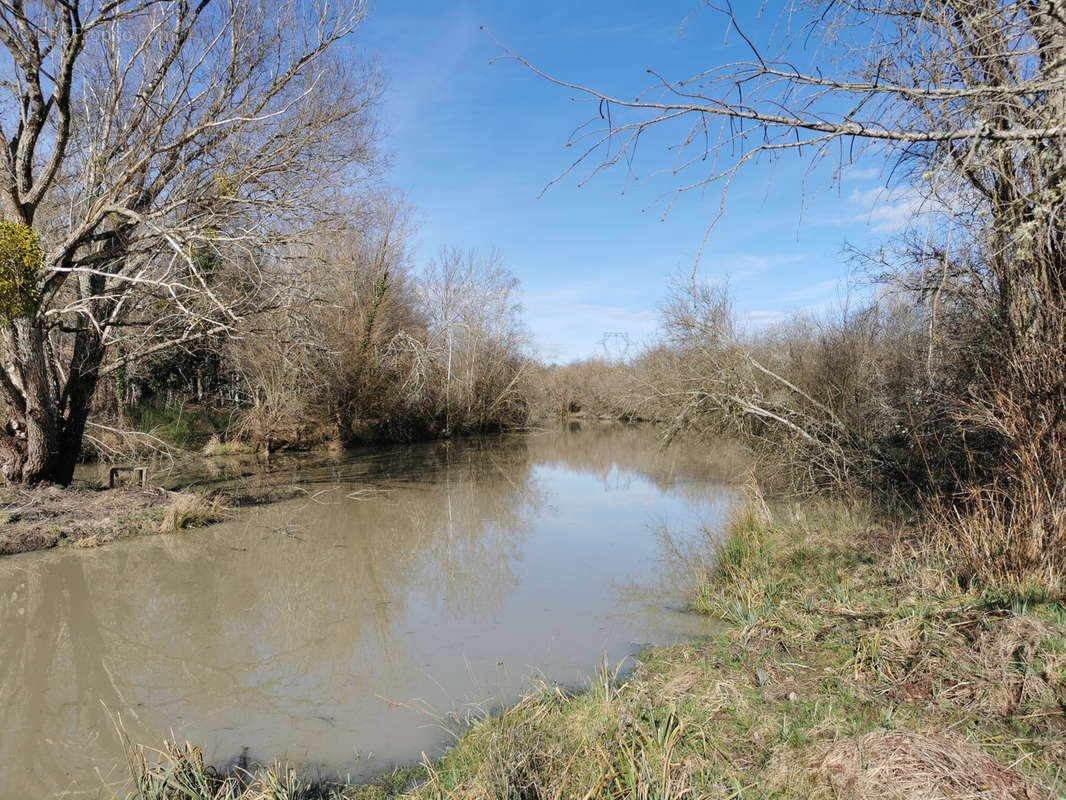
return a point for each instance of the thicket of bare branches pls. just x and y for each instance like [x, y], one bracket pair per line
[592, 387]
[966, 102]
[369, 350]
[824, 402]
[169, 157]
[315, 362]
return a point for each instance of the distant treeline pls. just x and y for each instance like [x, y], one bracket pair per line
[947, 409]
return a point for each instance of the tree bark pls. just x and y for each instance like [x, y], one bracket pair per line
[84, 375]
[42, 440]
[40, 418]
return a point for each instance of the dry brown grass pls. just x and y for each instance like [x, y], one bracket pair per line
[179, 772]
[215, 446]
[93, 540]
[1015, 667]
[1011, 543]
[915, 766]
[191, 510]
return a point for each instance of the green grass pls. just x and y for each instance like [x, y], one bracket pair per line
[188, 427]
[855, 666]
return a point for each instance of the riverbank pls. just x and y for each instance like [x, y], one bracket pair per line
[42, 517]
[855, 667]
[199, 486]
[87, 514]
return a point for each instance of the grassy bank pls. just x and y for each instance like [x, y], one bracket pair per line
[42, 517]
[854, 667]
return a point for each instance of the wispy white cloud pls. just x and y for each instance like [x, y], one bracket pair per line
[817, 298]
[760, 319]
[815, 293]
[886, 210]
[864, 174]
[754, 266]
[741, 267]
[633, 30]
[569, 321]
[423, 76]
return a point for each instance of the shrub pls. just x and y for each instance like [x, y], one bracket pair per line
[20, 262]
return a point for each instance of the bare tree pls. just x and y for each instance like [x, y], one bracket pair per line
[966, 98]
[164, 157]
[317, 363]
[956, 85]
[966, 101]
[474, 341]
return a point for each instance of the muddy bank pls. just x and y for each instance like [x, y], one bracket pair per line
[50, 516]
[88, 515]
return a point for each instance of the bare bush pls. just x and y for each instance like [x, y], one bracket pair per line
[818, 400]
[966, 100]
[593, 388]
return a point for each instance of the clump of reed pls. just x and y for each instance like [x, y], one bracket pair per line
[192, 510]
[179, 772]
[217, 446]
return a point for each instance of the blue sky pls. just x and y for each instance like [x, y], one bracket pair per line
[475, 143]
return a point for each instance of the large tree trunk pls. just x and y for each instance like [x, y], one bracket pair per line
[34, 431]
[84, 375]
[42, 440]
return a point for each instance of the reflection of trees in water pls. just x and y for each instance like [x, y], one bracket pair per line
[473, 534]
[283, 612]
[54, 678]
[615, 452]
[610, 451]
[290, 610]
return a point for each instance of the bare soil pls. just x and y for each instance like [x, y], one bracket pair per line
[49, 516]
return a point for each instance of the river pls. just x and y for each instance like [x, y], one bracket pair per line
[353, 628]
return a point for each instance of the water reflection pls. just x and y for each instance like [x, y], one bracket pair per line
[316, 629]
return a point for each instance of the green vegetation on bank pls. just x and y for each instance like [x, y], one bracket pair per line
[855, 665]
[183, 425]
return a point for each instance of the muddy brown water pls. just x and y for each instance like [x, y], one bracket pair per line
[349, 629]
